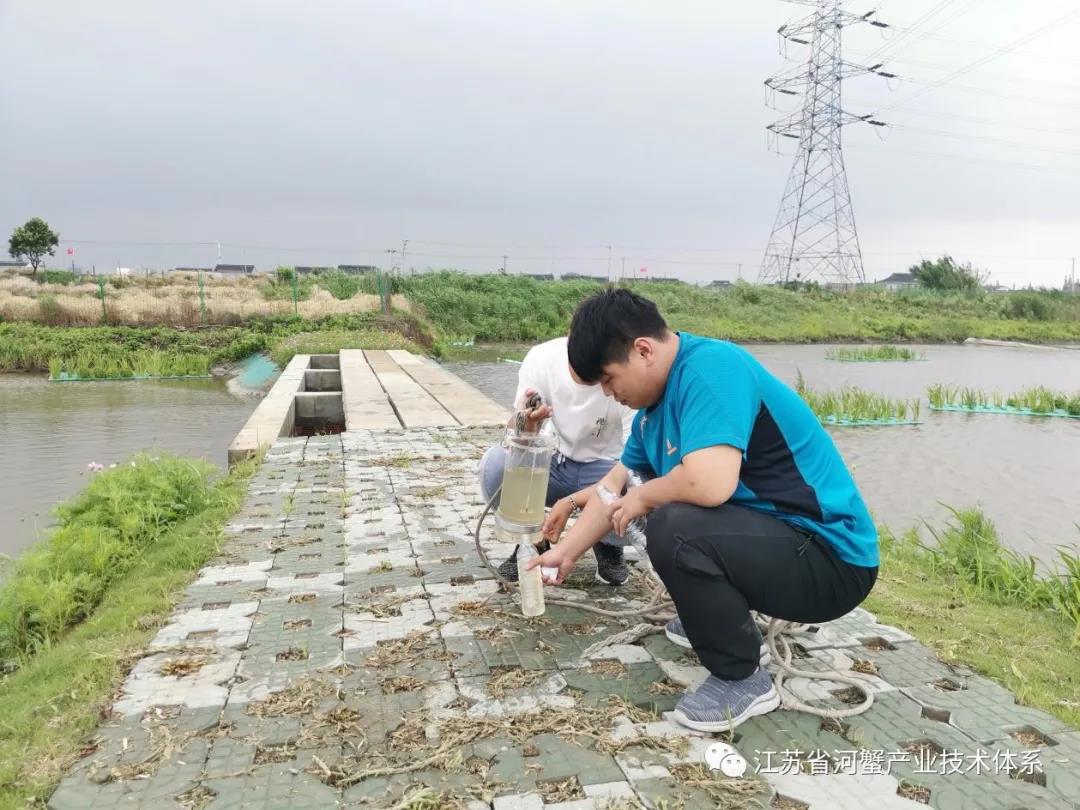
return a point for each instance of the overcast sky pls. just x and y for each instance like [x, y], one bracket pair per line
[326, 133]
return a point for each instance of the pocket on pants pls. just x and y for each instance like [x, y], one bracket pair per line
[692, 560]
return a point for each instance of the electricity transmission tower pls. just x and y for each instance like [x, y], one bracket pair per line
[814, 235]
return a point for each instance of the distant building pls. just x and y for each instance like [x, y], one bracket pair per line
[356, 268]
[190, 270]
[719, 283]
[234, 269]
[582, 277]
[540, 276]
[14, 263]
[899, 281]
[304, 271]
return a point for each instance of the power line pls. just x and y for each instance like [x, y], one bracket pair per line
[1002, 51]
[966, 158]
[1001, 77]
[978, 120]
[885, 51]
[985, 138]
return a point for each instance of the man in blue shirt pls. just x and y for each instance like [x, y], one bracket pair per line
[750, 506]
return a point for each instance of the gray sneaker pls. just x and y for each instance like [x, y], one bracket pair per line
[611, 567]
[719, 705]
[676, 635]
[508, 568]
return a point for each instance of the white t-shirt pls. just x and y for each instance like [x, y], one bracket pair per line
[589, 425]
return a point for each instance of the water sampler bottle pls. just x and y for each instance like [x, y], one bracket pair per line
[520, 516]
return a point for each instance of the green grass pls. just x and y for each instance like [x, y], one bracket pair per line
[1037, 400]
[874, 353]
[509, 308]
[117, 350]
[141, 363]
[979, 604]
[51, 704]
[855, 405]
[100, 535]
[333, 341]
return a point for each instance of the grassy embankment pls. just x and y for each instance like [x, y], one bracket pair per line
[96, 351]
[505, 308]
[435, 311]
[981, 605]
[77, 609]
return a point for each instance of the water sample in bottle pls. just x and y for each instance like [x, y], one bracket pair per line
[530, 583]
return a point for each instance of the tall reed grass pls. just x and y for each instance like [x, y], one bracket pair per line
[970, 550]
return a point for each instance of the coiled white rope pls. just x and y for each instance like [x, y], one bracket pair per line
[660, 609]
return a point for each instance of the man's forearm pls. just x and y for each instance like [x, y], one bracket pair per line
[591, 525]
[675, 487]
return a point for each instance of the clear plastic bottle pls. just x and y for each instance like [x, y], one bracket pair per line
[635, 529]
[529, 582]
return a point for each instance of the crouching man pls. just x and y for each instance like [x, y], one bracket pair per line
[750, 508]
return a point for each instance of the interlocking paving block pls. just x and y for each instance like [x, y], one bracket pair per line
[842, 791]
[227, 627]
[764, 739]
[304, 582]
[273, 785]
[444, 596]
[895, 724]
[828, 660]
[196, 684]
[543, 692]
[527, 801]
[468, 660]
[983, 710]
[551, 759]
[995, 793]
[453, 567]
[909, 665]
[850, 630]
[364, 629]
[1048, 760]
[631, 682]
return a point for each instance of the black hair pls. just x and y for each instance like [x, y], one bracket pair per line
[605, 326]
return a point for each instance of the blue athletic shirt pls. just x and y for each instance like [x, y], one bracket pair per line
[717, 393]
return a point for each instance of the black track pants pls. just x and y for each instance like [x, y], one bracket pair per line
[719, 564]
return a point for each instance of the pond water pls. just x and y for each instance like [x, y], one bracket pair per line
[1023, 471]
[49, 432]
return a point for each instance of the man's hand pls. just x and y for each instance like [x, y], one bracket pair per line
[532, 413]
[622, 510]
[556, 519]
[555, 558]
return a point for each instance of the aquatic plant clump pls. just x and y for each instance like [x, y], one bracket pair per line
[854, 407]
[1036, 401]
[869, 354]
[144, 364]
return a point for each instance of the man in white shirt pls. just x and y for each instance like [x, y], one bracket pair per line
[591, 429]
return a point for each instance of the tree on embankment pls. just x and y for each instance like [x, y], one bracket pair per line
[947, 274]
[33, 241]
